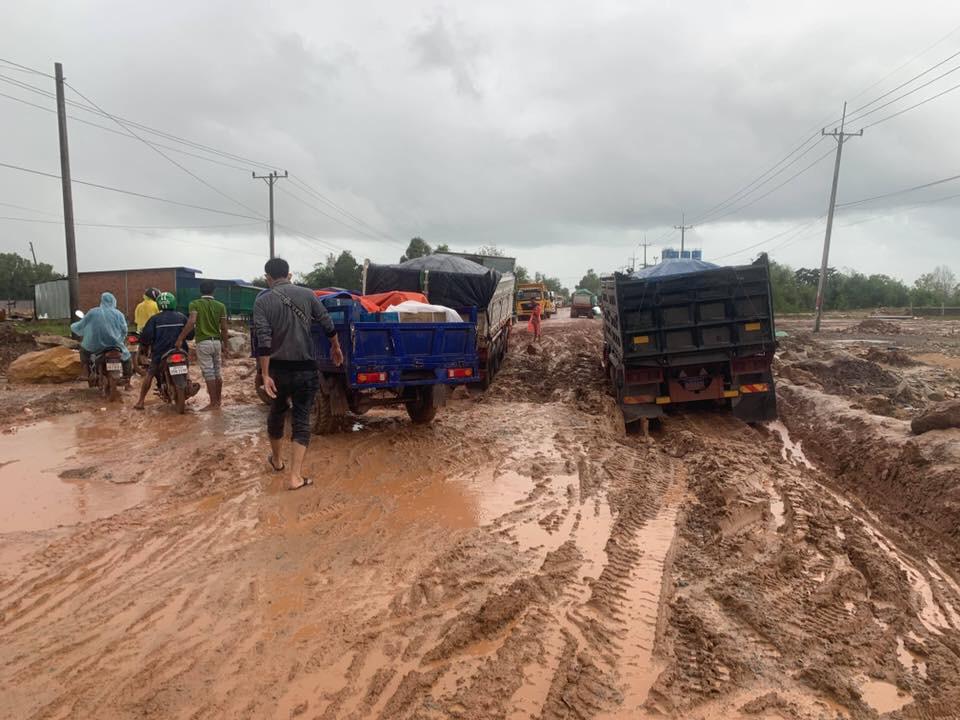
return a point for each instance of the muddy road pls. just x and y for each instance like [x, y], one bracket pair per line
[519, 558]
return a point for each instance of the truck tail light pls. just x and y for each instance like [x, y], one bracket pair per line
[371, 377]
[460, 372]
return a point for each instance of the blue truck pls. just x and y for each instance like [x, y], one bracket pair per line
[388, 361]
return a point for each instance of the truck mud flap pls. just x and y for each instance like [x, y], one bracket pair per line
[334, 387]
[758, 407]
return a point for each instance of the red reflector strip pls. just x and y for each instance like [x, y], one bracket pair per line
[638, 399]
[371, 377]
[178, 358]
[459, 372]
[754, 388]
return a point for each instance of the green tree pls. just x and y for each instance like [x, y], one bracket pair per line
[418, 247]
[590, 281]
[490, 251]
[442, 248]
[347, 272]
[18, 276]
[553, 284]
[936, 288]
[260, 281]
[341, 271]
[521, 274]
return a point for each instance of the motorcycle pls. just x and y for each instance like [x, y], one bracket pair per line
[173, 380]
[139, 360]
[106, 372]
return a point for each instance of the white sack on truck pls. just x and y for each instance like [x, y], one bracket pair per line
[439, 313]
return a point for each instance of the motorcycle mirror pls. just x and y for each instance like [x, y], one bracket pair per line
[78, 313]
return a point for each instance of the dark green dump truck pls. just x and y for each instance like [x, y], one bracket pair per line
[688, 331]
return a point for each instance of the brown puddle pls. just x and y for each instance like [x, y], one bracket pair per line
[33, 496]
[882, 696]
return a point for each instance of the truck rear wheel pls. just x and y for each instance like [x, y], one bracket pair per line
[324, 421]
[421, 409]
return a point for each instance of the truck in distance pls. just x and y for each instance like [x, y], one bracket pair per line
[685, 331]
[529, 293]
[582, 303]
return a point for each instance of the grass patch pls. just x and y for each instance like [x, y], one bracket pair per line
[44, 327]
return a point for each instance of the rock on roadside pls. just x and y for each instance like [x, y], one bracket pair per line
[238, 343]
[56, 341]
[941, 416]
[58, 364]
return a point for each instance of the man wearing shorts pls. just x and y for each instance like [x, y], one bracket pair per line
[208, 319]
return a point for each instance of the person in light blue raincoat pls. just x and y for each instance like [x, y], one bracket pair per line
[102, 328]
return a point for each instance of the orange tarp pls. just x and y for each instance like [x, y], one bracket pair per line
[380, 301]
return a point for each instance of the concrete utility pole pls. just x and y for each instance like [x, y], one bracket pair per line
[34, 253]
[73, 279]
[840, 136]
[271, 178]
[645, 245]
[683, 231]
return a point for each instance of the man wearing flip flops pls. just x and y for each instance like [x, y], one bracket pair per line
[282, 318]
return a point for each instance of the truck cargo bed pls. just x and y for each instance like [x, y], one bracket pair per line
[704, 335]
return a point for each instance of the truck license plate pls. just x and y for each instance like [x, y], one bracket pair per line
[114, 367]
[178, 369]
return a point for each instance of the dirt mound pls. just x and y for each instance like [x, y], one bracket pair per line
[874, 326]
[938, 417]
[13, 344]
[891, 356]
[847, 375]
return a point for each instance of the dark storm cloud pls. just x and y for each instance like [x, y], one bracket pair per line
[559, 131]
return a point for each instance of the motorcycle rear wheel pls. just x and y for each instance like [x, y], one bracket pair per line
[179, 398]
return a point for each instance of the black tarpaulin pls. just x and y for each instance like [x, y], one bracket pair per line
[453, 281]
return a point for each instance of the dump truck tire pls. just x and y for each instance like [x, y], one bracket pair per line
[422, 410]
[324, 421]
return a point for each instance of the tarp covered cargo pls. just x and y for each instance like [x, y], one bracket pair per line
[667, 268]
[446, 279]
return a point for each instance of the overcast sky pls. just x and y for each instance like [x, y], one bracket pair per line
[563, 132]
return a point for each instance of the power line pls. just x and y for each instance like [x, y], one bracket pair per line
[320, 196]
[904, 84]
[907, 109]
[900, 97]
[166, 157]
[772, 190]
[746, 190]
[900, 192]
[26, 69]
[130, 227]
[331, 217]
[129, 192]
[808, 223]
[114, 131]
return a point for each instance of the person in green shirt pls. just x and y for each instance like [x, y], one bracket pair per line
[208, 318]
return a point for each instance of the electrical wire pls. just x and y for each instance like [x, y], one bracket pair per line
[907, 109]
[25, 68]
[166, 157]
[129, 192]
[320, 196]
[357, 230]
[131, 227]
[746, 190]
[899, 98]
[774, 189]
[904, 84]
[899, 192]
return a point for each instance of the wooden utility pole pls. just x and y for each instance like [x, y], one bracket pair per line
[840, 136]
[271, 178]
[683, 231]
[73, 279]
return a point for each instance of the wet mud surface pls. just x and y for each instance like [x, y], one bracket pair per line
[520, 558]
